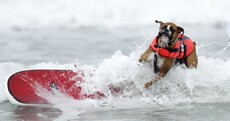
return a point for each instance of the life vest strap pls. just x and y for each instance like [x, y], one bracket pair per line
[170, 51]
[174, 50]
[156, 46]
[156, 68]
[183, 49]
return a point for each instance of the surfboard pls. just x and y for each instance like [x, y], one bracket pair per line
[24, 87]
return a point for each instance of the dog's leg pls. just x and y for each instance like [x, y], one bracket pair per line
[165, 67]
[145, 55]
[192, 60]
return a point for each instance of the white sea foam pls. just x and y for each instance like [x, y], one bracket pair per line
[210, 82]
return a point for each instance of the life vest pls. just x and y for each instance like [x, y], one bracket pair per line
[183, 48]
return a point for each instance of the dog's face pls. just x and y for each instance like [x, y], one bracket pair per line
[168, 34]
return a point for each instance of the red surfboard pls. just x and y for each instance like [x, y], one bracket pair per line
[23, 86]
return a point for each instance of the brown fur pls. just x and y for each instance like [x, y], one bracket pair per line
[191, 60]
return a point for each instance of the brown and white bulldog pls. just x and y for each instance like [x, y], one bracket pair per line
[170, 46]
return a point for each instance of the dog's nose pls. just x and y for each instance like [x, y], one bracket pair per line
[164, 32]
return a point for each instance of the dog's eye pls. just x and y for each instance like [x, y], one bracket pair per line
[163, 27]
[171, 29]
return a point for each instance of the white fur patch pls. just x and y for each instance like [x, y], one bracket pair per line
[159, 59]
[168, 27]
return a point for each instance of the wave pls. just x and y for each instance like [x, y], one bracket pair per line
[207, 84]
[75, 13]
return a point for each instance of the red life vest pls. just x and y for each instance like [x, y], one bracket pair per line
[183, 48]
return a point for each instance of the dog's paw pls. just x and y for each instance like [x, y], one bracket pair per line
[143, 58]
[148, 84]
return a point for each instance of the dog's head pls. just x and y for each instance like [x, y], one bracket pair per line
[168, 34]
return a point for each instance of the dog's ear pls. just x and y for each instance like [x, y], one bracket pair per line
[160, 22]
[180, 30]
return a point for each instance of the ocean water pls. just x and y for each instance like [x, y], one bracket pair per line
[105, 38]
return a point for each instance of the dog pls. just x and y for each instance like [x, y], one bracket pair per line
[171, 46]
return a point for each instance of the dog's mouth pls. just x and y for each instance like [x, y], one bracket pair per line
[164, 40]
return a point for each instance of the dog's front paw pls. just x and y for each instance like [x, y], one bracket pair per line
[140, 60]
[148, 84]
[143, 58]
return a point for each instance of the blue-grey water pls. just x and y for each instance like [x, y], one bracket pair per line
[91, 46]
[105, 39]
